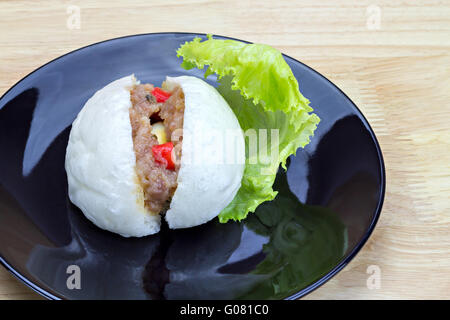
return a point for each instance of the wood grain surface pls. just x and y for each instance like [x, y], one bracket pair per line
[390, 57]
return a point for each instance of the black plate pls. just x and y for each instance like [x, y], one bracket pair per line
[328, 204]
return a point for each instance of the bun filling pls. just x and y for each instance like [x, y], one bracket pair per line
[157, 121]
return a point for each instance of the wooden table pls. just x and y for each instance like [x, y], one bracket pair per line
[390, 56]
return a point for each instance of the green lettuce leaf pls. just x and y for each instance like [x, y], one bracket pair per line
[263, 93]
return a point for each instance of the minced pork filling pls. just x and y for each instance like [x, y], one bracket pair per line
[158, 182]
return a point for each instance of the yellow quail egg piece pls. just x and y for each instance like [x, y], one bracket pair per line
[159, 131]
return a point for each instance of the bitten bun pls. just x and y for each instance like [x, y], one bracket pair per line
[101, 163]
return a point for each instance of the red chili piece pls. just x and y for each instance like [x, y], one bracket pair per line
[163, 154]
[160, 95]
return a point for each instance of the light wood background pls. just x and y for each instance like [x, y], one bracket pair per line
[391, 57]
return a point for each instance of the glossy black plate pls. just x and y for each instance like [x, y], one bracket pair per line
[328, 204]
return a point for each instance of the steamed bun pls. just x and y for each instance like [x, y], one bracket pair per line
[101, 163]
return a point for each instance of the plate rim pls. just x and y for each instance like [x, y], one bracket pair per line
[46, 293]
